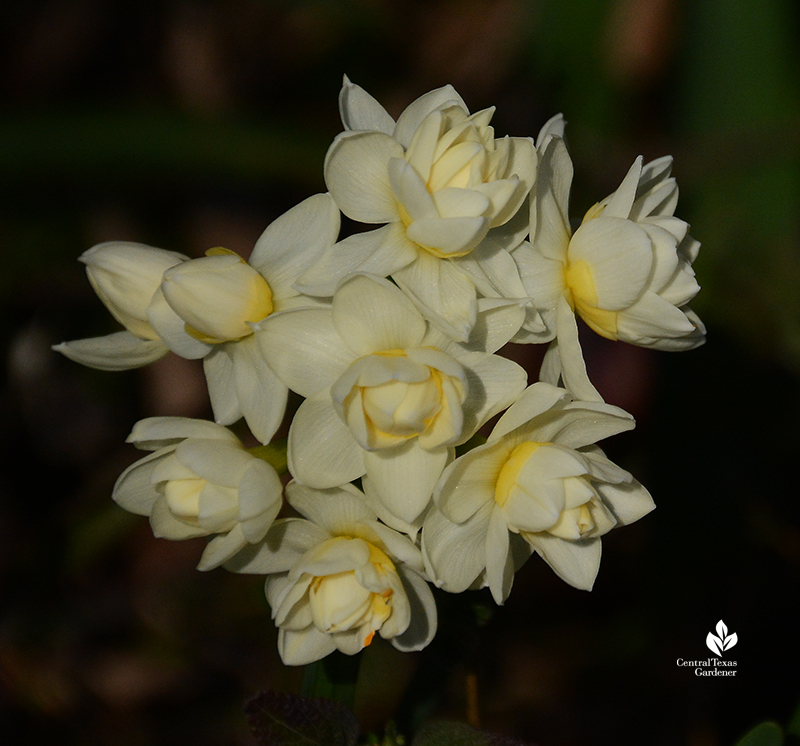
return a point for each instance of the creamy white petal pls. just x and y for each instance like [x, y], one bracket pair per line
[575, 562]
[573, 367]
[404, 477]
[301, 647]
[371, 314]
[221, 548]
[620, 258]
[410, 190]
[303, 349]
[172, 329]
[423, 625]
[357, 178]
[442, 292]
[337, 509]
[629, 502]
[217, 461]
[134, 489]
[444, 541]
[360, 111]
[448, 235]
[619, 204]
[553, 127]
[157, 432]
[218, 367]
[499, 562]
[536, 399]
[166, 526]
[412, 116]
[322, 452]
[259, 496]
[118, 351]
[294, 241]
[549, 221]
[652, 316]
[262, 395]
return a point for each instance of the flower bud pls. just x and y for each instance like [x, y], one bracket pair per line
[218, 296]
[125, 276]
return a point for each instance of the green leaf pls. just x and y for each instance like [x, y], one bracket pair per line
[764, 734]
[291, 720]
[447, 733]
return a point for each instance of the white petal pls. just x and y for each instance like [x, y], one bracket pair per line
[469, 482]
[620, 257]
[455, 553]
[262, 396]
[360, 111]
[287, 541]
[357, 178]
[652, 316]
[619, 204]
[118, 351]
[404, 477]
[219, 462]
[172, 329]
[456, 235]
[410, 191]
[303, 349]
[411, 118]
[157, 432]
[322, 452]
[371, 314]
[218, 367]
[629, 502]
[301, 647]
[221, 548]
[452, 202]
[391, 520]
[494, 383]
[573, 367]
[553, 127]
[260, 493]
[423, 625]
[294, 241]
[443, 293]
[338, 510]
[499, 562]
[166, 526]
[536, 399]
[134, 489]
[549, 226]
[575, 562]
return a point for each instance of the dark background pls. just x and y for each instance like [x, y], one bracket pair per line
[188, 125]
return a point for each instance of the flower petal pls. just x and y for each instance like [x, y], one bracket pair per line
[360, 111]
[499, 562]
[338, 509]
[536, 399]
[322, 452]
[620, 202]
[629, 502]
[575, 562]
[423, 624]
[118, 351]
[469, 482]
[218, 367]
[172, 329]
[134, 490]
[301, 647]
[404, 477]
[357, 178]
[221, 548]
[156, 432]
[573, 367]
[412, 116]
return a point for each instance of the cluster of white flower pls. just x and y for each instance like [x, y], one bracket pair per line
[390, 336]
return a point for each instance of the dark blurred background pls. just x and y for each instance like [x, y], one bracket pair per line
[188, 125]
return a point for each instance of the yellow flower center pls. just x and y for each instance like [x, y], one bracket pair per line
[582, 296]
[510, 470]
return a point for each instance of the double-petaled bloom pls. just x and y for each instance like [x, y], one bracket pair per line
[626, 271]
[205, 308]
[446, 189]
[388, 396]
[337, 577]
[199, 480]
[538, 484]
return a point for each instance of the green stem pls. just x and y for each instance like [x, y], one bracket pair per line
[274, 454]
[333, 677]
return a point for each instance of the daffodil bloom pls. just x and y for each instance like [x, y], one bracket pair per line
[205, 308]
[387, 395]
[125, 276]
[199, 480]
[626, 271]
[538, 484]
[441, 182]
[338, 576]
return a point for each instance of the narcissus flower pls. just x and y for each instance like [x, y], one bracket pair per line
[125, 276]
[626, 271]
[387, 396]
[199, 481]
[337, 577]
[441, 182]
[538, 484]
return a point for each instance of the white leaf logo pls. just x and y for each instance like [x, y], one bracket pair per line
[722, 640]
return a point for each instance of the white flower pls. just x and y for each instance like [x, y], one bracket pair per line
[441, 181]
[199, 480]
[387, 396]
[205, 308]
[539, 483]
[626, 271]
[125, 276]
[340, 577]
